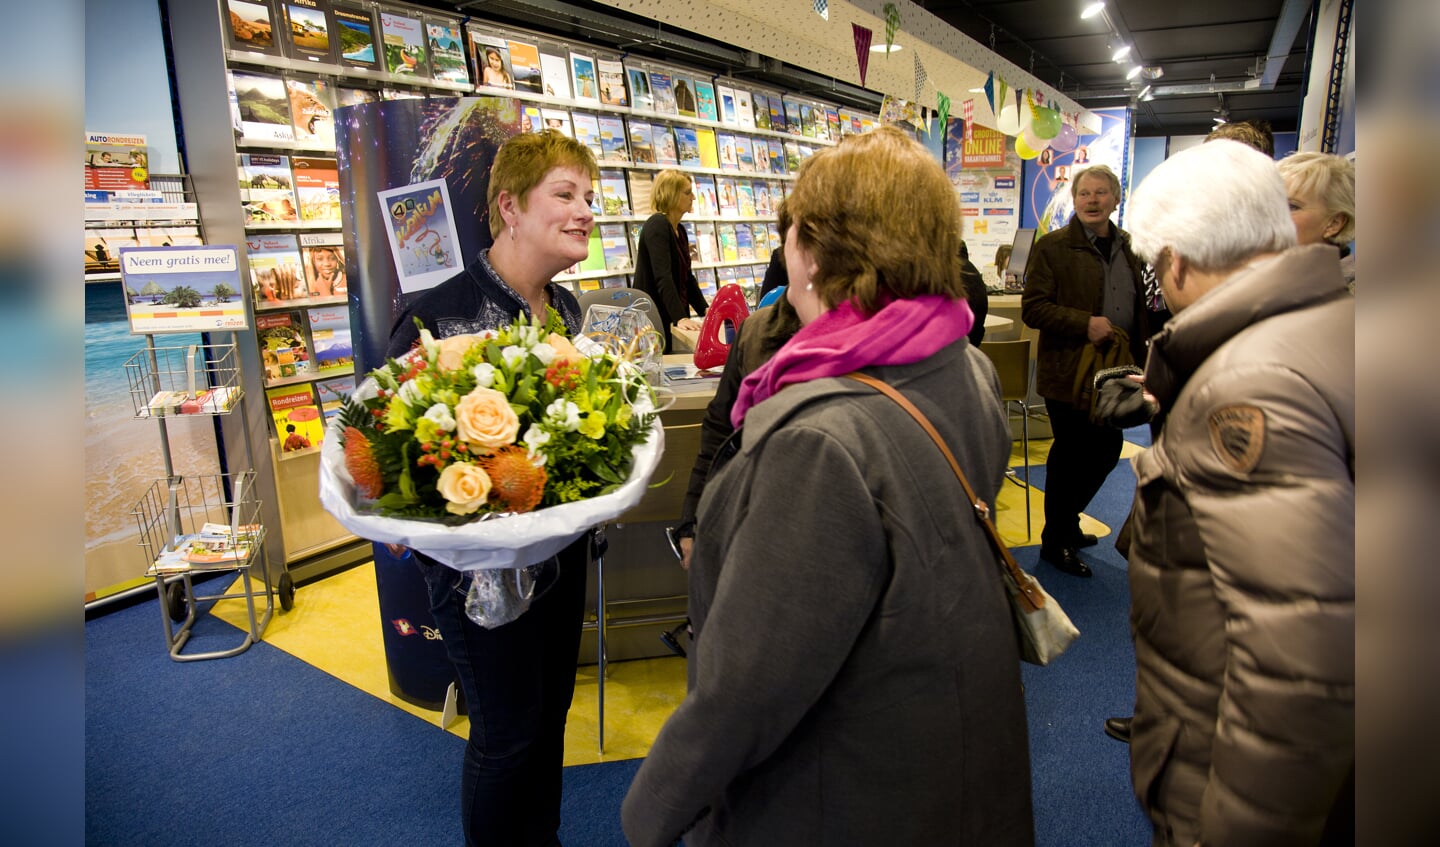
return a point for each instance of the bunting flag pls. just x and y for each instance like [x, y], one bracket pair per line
[863, 37]
[921, 76]
[967, 112]
[892, 23]
[943, 107]
[822, 8]
[1001, 91]
[990, 92]
[1019, 101]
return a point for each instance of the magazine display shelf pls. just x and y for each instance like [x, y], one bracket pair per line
[199, 380]
[731, 100]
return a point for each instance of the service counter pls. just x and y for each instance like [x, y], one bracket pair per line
[645, 587]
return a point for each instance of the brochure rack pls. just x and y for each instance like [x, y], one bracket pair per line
[206, 523]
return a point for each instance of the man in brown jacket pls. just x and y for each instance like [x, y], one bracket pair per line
[1242, 562]
[1082, 284]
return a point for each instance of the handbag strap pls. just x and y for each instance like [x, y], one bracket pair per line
[1029, 591]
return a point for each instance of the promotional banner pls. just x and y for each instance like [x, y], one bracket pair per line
[413, 182]
[183, 289]
[985, 175]
[1047, 177]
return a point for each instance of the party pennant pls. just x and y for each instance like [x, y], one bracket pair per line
[990, 92]
[919, 118]
[920, 77]
[822, 8]
[892, 23]
[943, 107]
[863, 37]
[1001, 92]
[967, 112]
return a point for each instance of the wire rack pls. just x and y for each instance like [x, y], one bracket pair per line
[176, 509]
[195, 379]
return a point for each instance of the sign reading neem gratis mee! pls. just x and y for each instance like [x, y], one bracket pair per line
[183, 289]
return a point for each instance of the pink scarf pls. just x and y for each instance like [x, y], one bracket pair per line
[842, 340]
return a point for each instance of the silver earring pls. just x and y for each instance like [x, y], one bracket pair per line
[809, 286]
[512, 232]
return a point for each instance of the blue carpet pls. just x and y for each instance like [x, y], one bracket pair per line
[263, 748]
[260, 748]
[1080, 777]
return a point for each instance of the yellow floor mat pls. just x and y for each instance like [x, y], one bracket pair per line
[335, 626]
[1010, 503]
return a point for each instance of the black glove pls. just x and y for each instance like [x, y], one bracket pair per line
[1120, 402]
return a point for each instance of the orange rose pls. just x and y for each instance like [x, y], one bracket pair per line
[484, 418]
[451, 350]
[466, 488]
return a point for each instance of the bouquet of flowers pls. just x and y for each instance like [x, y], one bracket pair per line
[494, 450]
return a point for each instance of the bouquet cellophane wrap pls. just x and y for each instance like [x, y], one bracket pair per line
[498, 541]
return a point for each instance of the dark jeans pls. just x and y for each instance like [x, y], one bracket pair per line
[518, 681]
[1081, 457]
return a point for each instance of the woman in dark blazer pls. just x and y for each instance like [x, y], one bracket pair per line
[662, 265]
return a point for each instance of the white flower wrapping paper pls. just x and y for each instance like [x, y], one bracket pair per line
[501, 541]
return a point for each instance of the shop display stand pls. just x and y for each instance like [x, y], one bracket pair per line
[199, 380]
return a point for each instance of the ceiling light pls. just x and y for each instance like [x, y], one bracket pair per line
[1120, 53]
[881, 48]
[1153, 71]
[1133, 72]
[1092, 10]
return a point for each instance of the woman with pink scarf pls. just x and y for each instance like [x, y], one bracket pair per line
[854, 676]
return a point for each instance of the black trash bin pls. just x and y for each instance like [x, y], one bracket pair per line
[414, 652]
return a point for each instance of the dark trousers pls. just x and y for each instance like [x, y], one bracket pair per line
[1081, 457]
[518, 681]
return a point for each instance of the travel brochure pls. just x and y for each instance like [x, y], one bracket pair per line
[404, 41]
[299, 424]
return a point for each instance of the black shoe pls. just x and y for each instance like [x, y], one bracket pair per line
[1118, 729]
[1086, 540]
[671, 639]
[1065, 560]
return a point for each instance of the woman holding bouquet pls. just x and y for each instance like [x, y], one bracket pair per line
[854, 676]
[518, 678]
[662, 263]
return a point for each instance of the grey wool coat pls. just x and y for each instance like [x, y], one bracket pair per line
[855, 678]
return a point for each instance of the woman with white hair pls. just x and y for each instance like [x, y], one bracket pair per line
[1321, 190]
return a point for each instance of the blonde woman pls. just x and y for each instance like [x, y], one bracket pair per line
[662, 264]
[1321, 191]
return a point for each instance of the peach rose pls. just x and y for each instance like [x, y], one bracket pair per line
[451, 350]
[465, 486]
[564, 350]
[484, 418]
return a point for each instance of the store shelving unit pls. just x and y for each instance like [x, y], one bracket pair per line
[199, 380]
[206, 58]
